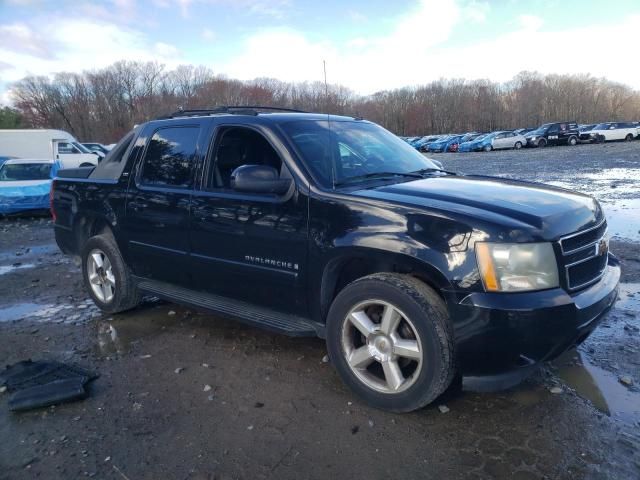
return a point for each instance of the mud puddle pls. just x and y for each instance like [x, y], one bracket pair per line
[623, 218]
[53, 313]
[28, 252]
[603, 389]
[4, 269]
[117, 335]
[23, 310]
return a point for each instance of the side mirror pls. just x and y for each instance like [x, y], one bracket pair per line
[259, 179]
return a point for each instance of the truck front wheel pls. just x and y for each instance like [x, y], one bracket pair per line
[390, 338]
[106, 276]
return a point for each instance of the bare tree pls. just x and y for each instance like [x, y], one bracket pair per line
[104, 104]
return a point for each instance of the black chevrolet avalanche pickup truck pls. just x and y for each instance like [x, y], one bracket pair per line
[330, 226]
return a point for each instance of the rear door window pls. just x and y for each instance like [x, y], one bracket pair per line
[170, 157]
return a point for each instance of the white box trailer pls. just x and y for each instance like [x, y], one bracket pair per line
[46, 144]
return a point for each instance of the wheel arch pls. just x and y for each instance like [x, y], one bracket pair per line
[350, 265]
[89, 224]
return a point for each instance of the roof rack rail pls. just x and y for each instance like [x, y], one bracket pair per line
[231, 109]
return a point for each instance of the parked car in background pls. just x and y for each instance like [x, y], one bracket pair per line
[523, 131]
[560, 133]
[616, 131]
[443, 144]
[4, 159]
[96, 147]
[25, 185]
[47, 144]
[493, 141]
[422, 145]
[587, 135]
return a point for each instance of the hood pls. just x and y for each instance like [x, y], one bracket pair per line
[23, 196]
[25, 188]
[533, 134]
[544, 211]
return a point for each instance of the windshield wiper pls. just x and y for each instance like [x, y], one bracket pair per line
[422, 171]
[377, 175]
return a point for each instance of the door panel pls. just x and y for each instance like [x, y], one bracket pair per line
[250, 249]
[158, 205]
[248, 246]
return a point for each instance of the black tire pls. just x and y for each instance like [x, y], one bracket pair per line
[628, 138]
[87, 164]
[542, 143]
[488, 148]
[518, 145]
[433, 329]
[125, 296]
[573, 141]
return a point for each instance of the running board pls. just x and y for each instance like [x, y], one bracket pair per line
[260, 317]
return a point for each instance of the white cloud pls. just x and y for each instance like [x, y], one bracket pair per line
[21, 38]
[77, 45]
[476, 11]
[365, 65]
[530, 22]
[416, 52]
[208, 35]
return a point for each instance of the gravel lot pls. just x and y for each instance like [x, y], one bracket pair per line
[274, 409]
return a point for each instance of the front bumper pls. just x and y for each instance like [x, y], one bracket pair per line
[498, 333]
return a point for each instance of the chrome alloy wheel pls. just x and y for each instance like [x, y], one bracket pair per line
[381, 346]
[101, 278]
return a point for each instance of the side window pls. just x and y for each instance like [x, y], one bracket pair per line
[169, 159]
[236, 146]
[66, 147]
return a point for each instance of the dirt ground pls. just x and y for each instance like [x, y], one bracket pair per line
[186, 395]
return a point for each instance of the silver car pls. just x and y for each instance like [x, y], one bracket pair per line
[508, 139]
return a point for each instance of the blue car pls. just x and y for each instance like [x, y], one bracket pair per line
[479, 143]
[25, 185]
[445, 144]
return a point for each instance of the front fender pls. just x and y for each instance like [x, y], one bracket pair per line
[388, 238]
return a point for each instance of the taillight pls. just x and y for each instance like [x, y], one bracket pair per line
[53, 212]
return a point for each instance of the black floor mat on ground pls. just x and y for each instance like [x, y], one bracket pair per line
[40, 384]
[58, 391]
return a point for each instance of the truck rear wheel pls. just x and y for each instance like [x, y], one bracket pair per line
[573, 141]
[106, 276]
[391, 340]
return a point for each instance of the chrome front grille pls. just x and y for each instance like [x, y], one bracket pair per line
[585, 256]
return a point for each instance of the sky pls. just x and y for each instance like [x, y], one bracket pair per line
[368, 45]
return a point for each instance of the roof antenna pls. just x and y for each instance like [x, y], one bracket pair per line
[326, 107]
[326, 87]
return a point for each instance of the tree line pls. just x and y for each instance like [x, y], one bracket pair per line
[102, 105]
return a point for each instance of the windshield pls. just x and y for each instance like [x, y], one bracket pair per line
[81, 147]
[540, 130]
[602, 126]
[15, 172]
[336, 151]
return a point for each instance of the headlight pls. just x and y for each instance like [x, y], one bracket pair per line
[517, 267]
[533, 139]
